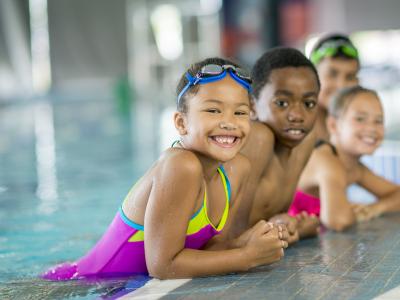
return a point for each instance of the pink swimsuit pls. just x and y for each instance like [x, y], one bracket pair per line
[304, 202]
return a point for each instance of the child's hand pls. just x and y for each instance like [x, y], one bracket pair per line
[308, 225]
[242, 240]
[264, 244]
[290, 223]
[366, 212]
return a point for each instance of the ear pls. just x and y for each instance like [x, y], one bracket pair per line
[180, 123]
[331, 125]
[253, 111]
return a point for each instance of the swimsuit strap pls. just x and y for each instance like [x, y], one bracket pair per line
[227, 188]
[225, 181]
[319, 143]
[174, 143]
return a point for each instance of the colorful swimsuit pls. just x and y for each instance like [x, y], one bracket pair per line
[306, 202]
[120, 251]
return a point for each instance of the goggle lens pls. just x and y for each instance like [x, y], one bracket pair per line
[332, 48]
[214, 70]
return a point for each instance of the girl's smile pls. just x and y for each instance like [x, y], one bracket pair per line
[217, 121]
[225, 141]
[360, 129]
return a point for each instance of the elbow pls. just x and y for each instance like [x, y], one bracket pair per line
[164, 271]
[159, 271]
[339, 224]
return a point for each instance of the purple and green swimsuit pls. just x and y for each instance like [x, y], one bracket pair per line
[120, 252]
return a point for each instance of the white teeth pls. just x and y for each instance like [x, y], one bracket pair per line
[368, 140]
[225, 139]
[295, 131]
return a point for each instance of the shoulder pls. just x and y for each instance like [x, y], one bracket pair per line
[260, 142]
[308, 144]
[177, 162]
[262, 132]
[327, 163]
[239, 166]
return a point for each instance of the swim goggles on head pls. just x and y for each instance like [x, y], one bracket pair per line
[214, 72]
[331, 48]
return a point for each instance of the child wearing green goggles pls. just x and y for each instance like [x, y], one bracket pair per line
[337, 62]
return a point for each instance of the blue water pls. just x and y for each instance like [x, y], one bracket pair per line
[65, 167]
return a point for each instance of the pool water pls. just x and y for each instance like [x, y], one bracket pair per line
[65, 167]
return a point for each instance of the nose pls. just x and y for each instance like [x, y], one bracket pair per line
[373, 127]
[343, 82]
[227, 125]
[296, 114]
[228, 122]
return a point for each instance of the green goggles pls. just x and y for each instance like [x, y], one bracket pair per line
[330, 49]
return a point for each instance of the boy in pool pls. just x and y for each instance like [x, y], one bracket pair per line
[168, 224]
[355, 124]
[285, 93]
[336, 60]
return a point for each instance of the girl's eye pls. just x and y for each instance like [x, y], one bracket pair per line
[281, 103]
[379, 121]
[213, 110]
[310, 104]
[360, 119]
[241, 113]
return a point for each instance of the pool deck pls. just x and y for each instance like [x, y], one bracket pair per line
[361, 263]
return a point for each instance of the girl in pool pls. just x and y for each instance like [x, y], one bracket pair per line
[169, 222]
[355, 125]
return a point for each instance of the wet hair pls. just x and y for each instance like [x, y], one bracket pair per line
[278, 58]
[341, 99]
[193, 70]
[336, 37]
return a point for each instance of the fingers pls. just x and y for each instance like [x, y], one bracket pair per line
[284, 234]
[273, 231]
[263, 226]
[293, 237]
[304, 214]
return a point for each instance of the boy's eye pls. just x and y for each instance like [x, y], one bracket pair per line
[351, 77]
[333, 73]
[310, 104]
[281, 103]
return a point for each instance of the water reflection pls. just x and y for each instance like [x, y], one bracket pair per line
[40, 289]
[45, 158]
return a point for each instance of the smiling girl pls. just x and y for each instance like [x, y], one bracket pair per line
[168, 224]
[355, 124]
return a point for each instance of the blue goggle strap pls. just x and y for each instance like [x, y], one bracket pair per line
[198, 80]
[241, 81]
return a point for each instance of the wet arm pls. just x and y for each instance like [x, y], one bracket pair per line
[168, 212]
[388, 193]
[336, 211]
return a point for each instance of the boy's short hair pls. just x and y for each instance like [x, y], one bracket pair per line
[193, 70]
[278, 58]
[342, 99]
[335, 46]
